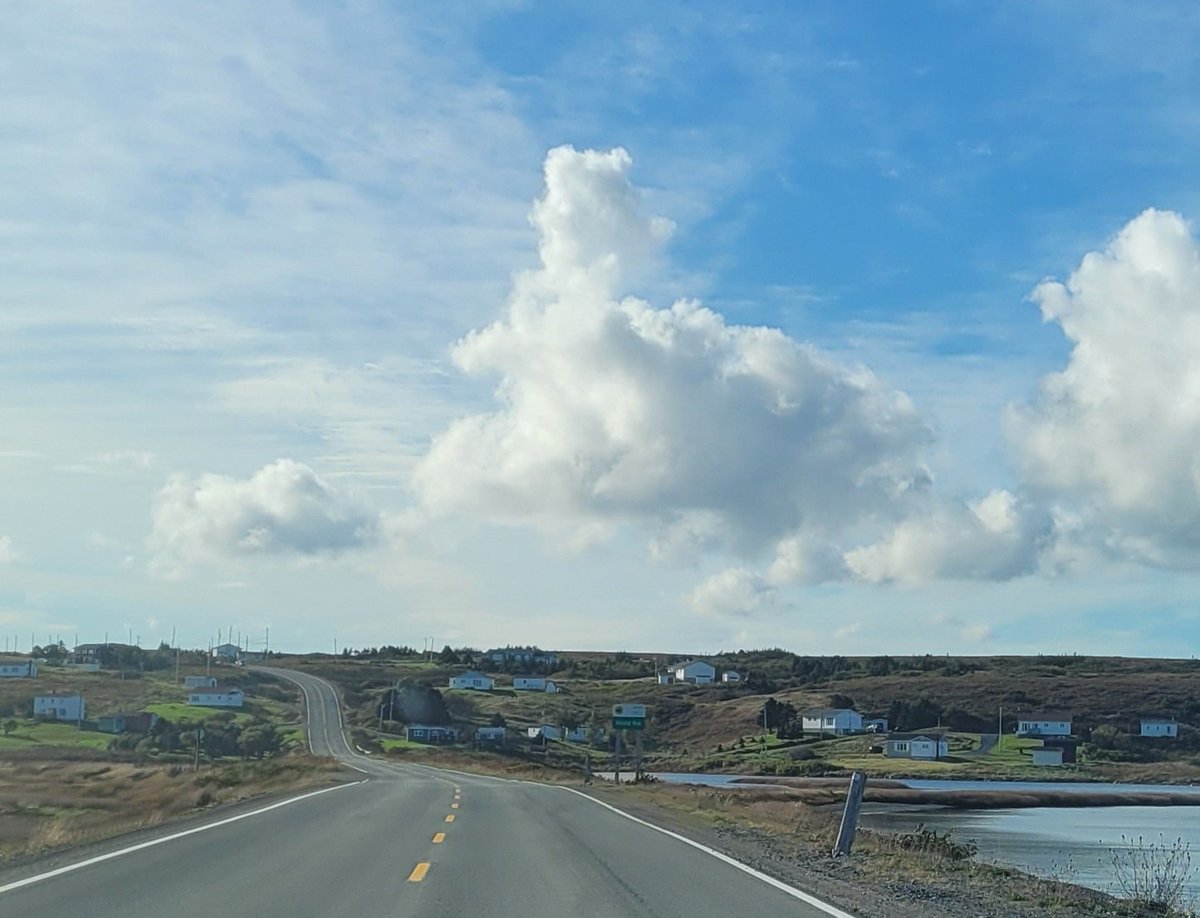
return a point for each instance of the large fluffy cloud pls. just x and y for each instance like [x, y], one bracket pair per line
[613, 410]
[283, 508]
[1114, 438]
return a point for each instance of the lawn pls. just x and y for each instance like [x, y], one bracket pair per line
[1011, 750]
[30, 734]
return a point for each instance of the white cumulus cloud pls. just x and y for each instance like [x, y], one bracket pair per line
[734, 591]
[610, 409]
[1113, 440]
[283, 508]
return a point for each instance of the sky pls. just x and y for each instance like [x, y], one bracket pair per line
[846, 329]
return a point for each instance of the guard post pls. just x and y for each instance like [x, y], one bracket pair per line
[854, 799]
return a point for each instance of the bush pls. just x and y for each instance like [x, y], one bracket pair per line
[927, 841]
[1152, 874]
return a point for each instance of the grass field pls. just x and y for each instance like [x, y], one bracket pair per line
[31, 734]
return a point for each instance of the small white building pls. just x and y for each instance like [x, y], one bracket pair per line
[1159, 726]
[696, 672]
[1051, 757]
[60, 707]
[926, 746]
[837, 721]
[876, 724]
[666, 678]
[217, 697]
[534, 684]
[199, 681]
[730, 676]
[473, 680]
[1044, 725]
[24, 669]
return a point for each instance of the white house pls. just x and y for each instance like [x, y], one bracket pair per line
[60, 707]
[217, 697]
[473, 680]
[730, 676]
[226, 651]
[1046, 755]
[552, 732]
[666, 678]
[694, 671]
[199, 681]
[838, 721]
[534, 684]
[1044, 725]
[1159, 726]
[26, 669]
[927, 746]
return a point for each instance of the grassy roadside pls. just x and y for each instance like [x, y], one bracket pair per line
[918, 873]
[51, 803]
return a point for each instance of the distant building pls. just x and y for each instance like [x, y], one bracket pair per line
[60, 707]
[23, 669]
[534, 684]
[199, 681]
[1048, 756]
[473, 680]
[526, 656]
[666, 678]
[91, 653]
[1044, 725]
[253, 656]
[1159, 726]
[925, 746]
[141, 722]
[876, 724]
[81, 666]
[696, 672]
[217, 697]
[554, 732]
[227, 651]
[838, 721]
[1068, 745]
[433, 734]
[492, 736]
[730, 676]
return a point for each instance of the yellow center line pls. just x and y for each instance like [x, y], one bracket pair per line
[418, 873]
[450, 818]
[439, 838]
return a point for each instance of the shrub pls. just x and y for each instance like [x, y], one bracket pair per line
[1153, 874]
[928, 841]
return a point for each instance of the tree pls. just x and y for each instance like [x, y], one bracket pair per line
[9, 726]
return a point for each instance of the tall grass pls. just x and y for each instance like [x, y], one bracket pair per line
[1155, 875]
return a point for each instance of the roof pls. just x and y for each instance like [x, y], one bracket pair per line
[687, 663]
[929, 735]
[825, 712]
[216, 690]
[1045, 716]
[1159, 720]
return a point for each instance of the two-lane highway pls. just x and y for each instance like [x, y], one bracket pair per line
[415, 841]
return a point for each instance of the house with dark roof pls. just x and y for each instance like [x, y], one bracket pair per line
[928, 746]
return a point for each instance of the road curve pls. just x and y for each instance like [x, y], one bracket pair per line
[416, 841]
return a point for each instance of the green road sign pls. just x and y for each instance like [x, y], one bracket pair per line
[629, 723]
[629, 717]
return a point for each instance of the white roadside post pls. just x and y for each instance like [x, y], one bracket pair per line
[854, 798]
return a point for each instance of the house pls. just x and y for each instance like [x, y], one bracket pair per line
[927, 746]
[493, 736]
[199, 681]
[528, 656]
[217, 697]
[433, 734]
[1044, 725]
[666, 678]
[99, 653]
[1067, 744]
[473, 680]
[1159, 726]
[694, 671]
[227, 651]
[838, 721]
[253, 656]
[876, 724]
[25, 669]
[141, 722]
[553, 732]
[534, 684]
[1048, 756]
[60, 707]
[731, 676]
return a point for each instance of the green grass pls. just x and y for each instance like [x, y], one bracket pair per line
[399, 742]
[30, 734]
[177, 712]
[1011, 750]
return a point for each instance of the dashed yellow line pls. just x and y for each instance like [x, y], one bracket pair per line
[418, 873]
[450, 818]
[439, 838]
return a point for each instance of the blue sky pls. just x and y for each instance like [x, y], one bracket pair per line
[671, 328]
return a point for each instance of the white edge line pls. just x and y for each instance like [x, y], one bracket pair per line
[69, 868]
[733, 862]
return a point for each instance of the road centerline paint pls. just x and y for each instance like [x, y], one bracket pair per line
[450, 818]
[439, 838]
[454, 806]
[418, 872]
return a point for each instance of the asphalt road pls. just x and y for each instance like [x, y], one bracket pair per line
[416, 841]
